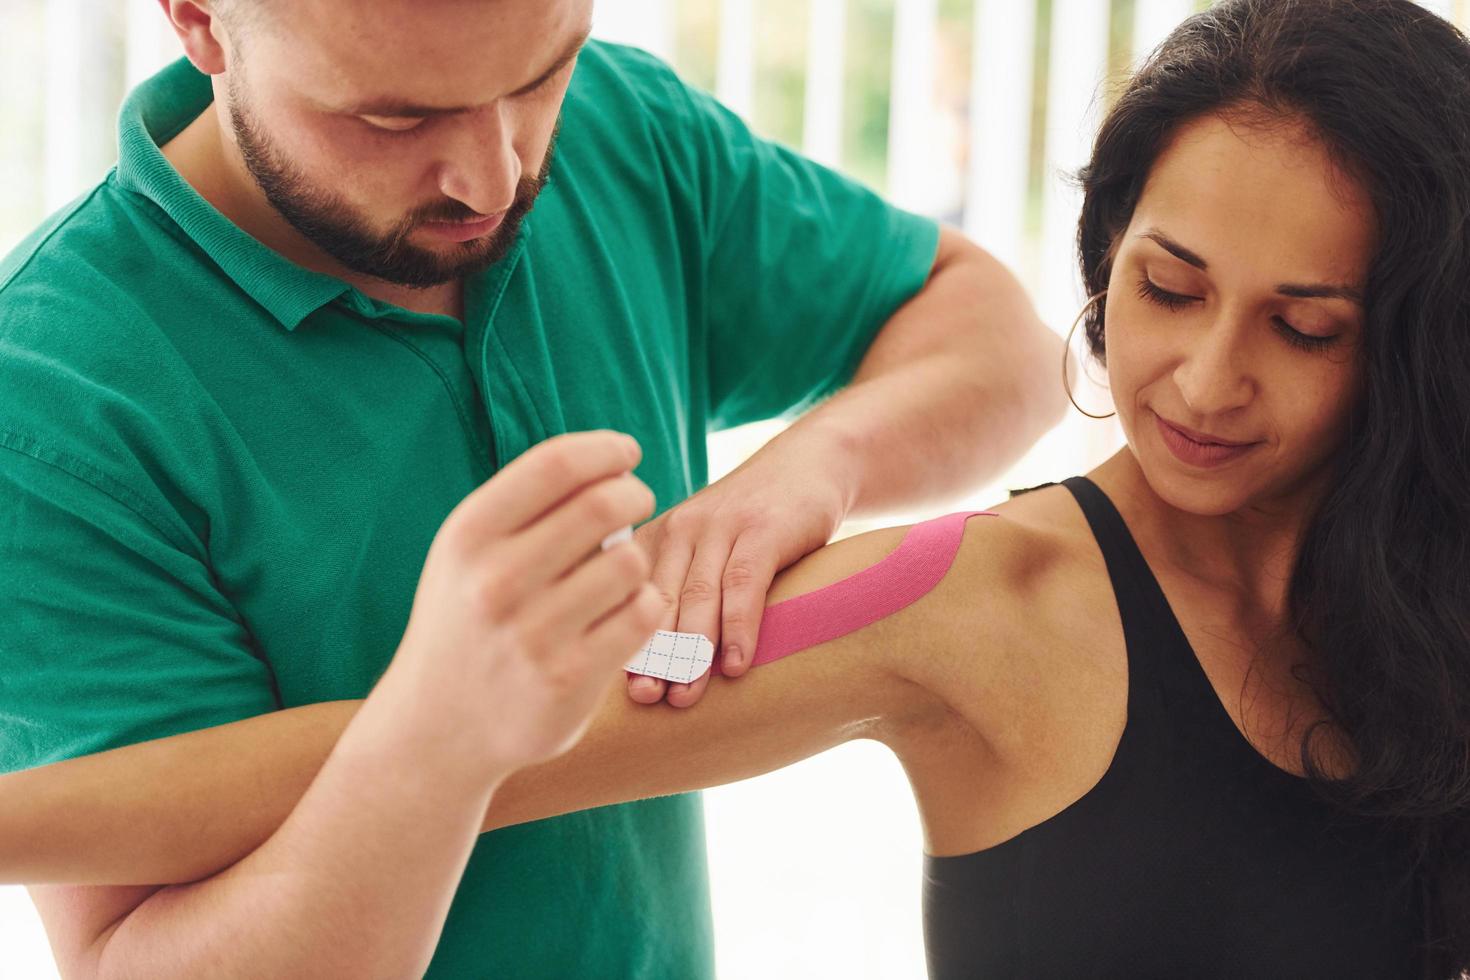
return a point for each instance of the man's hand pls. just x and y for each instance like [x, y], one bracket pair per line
[520, 623]
[518, 628]
[716, 554]
[954, 388]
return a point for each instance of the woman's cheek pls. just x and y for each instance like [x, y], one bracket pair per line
[1131, 352]
[1310, 414]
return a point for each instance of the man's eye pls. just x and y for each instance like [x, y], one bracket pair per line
[393, 124]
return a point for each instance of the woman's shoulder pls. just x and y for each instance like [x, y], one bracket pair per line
[1013, 624]
[1028, 646]
[964, 601]
[1038, 546]
[1014, 548]
[1013, 560]
[1031, 578]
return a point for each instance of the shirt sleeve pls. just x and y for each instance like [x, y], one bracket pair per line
[803, 266]
[115, 631]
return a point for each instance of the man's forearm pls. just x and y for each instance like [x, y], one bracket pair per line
[956, 386]
[356, 882]
[60, 823]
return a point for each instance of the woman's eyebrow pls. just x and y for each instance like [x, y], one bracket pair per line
[1174, 248]
[1321, 291]
[1294, 290]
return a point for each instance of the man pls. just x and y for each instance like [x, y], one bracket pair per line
[312, 310]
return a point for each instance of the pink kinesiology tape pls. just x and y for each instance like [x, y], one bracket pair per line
[910, 572]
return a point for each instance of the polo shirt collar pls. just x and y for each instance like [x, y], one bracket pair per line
[155, 112]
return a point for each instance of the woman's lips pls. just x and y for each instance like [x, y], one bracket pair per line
[462, 231]
[1198, 449]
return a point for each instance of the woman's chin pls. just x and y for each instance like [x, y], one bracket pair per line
[1203, 493]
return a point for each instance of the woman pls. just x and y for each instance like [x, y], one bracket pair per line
[1205, 712]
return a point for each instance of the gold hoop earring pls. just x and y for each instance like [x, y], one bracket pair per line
[1067, 350]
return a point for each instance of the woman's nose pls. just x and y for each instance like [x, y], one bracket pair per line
[1214, 376]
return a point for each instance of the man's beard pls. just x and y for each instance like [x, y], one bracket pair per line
[327, 221]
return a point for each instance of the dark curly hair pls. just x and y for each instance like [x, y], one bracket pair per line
[1381, 590]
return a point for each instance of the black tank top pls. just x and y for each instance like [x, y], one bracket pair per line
[1192, 857]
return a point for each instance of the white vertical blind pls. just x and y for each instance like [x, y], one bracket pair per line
[82, 85]
[22, 110]
[65, 41]
[1079, 53]
[1152, 22]
[735, 58]
[821, 137]
[1000, 127]
[151, 43]
[912, 130]
[646, 24]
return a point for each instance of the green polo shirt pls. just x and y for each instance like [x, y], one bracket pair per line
[220, 473]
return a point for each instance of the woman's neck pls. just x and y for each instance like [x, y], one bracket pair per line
[1251, 552]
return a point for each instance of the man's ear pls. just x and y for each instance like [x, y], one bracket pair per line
[199, 31]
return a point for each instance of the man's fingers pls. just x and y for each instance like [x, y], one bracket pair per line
[670, 566]
[589, 592]
[515, 569]
[622, 631]
[747, 579]
[651, 535]
[699, 609]
[644, 689]
[671, 559]
[699, 597]
[552, 546]
[542, 477]
[685, 695]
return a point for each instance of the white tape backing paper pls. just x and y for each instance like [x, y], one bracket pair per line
[678, 657]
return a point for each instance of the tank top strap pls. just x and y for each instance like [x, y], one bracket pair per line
[1147, 618]
[1160, 656]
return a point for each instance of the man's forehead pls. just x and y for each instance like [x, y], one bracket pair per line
[430, 54]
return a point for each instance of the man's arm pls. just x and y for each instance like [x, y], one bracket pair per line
[183, 808]
[357, 882]
[956, 386]
[514, 636]
[958, 383]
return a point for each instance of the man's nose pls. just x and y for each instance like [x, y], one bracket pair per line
[481, 169]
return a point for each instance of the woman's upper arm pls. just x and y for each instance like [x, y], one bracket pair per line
[776, 714]
[934, 593]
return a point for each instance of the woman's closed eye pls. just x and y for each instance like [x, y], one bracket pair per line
[1156, 294]
[1153, 293]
